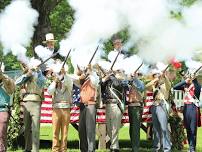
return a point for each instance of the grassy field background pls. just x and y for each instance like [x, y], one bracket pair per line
[73, 141]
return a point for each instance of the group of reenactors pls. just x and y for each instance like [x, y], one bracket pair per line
[114, 89]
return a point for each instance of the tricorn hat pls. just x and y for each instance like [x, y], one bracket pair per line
[49, 38]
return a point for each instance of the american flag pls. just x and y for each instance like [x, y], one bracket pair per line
[46, 109]
[76, 95]
[146, 115]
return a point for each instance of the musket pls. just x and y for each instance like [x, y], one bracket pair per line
[66, 58]
[166, 68]
[138, 67]
[111, 68]
[85, 70]
[93, 55]
[197, 70]
[53, 55]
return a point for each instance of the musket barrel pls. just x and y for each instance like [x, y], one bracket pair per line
[93, 55]
[111, 68]
[66, 58]
[138, 67]
[53, 55]
[166, 68]
[197, 70]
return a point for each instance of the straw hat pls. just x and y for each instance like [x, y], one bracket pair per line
[49, 38]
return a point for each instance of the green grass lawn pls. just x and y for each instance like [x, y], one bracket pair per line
[73, 143]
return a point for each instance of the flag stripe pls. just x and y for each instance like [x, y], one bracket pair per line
[46, 110]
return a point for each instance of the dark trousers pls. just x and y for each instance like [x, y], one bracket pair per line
[4, 117]
[87, 128]
[190, 120]
[135, 113]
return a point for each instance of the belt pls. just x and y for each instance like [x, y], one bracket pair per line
[111, 101]
[188, 102]
[134, 104]
[27, 93]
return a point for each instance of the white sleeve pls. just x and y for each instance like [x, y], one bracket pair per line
[51, 88]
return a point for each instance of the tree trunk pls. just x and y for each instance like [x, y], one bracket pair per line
[44, 8]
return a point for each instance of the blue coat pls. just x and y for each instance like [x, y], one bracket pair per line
[5, 100]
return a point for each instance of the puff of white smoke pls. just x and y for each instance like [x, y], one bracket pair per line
[104, 64]
[42, 52]
[192, 14]
[56, 66]
[173, 38]
[143, 16]
[20, 52]
[161, 66]
[94, 20]
[119, 62]
[158, 36]
[101, 19]
[144, 69]
[131, 64]
[33, 63]
[82, 56]
[17, 25]
[193, 65]
[65, 46]
[170, 39]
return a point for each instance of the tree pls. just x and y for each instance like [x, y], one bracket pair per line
[54, 16]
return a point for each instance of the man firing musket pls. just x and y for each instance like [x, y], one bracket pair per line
[135, 107]
[90, 95]
[61, 90]
[191, 109]
[113, 90]
[33, 83]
